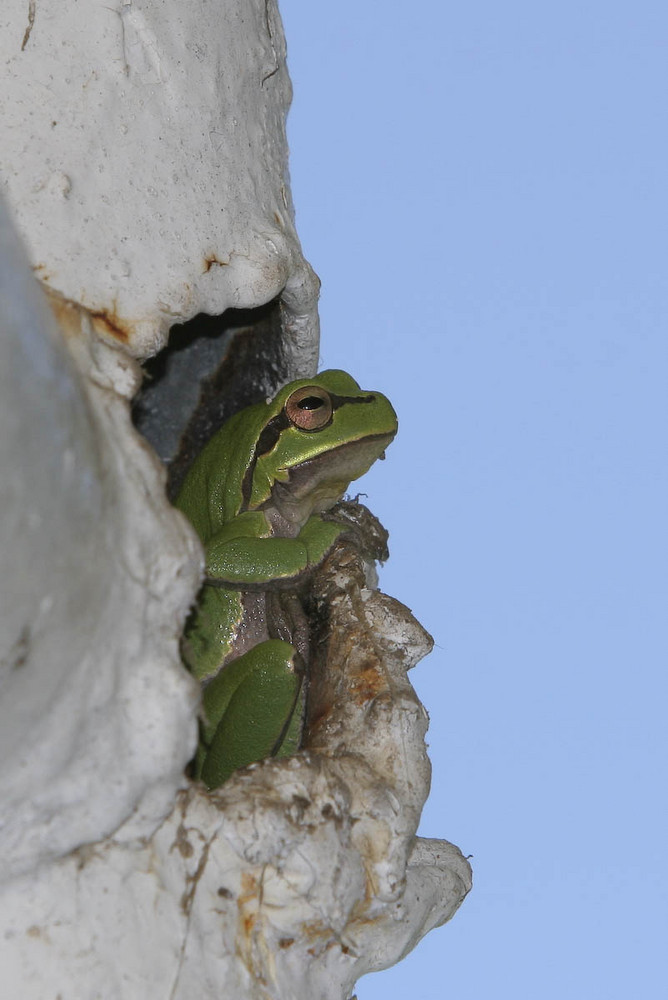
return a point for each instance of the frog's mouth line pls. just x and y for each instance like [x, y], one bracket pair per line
[316, 484]
[344, 459]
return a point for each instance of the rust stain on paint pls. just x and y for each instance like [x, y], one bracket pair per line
[213, 261]
[247, 898]
[106, 321]
[69, 316]
[368, 684]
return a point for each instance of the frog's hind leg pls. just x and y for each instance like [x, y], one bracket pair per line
[253, 710]
[291, 738]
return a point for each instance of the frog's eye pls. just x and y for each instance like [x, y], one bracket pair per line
[309, 408]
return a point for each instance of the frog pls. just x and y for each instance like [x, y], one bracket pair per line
[260, 496]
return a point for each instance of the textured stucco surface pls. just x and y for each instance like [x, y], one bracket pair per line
[144, 158]
[97, 716]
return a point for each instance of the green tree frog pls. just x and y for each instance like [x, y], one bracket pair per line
[257, 495]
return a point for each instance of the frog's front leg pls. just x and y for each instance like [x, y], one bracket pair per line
[253, 709]
[244, 552]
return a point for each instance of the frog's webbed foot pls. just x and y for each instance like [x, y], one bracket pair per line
[362, 528]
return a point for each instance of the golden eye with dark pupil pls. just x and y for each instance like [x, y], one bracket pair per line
[309, 408]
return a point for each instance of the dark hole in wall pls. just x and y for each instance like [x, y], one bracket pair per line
[212, 367]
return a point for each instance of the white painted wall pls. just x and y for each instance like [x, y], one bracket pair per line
[144, 165]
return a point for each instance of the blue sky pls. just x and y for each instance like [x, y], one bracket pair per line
[482, 190]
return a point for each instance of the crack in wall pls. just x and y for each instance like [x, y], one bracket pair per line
[32, 5]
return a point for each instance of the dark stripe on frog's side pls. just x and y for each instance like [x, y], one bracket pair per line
[269, 437]
[266, 441]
